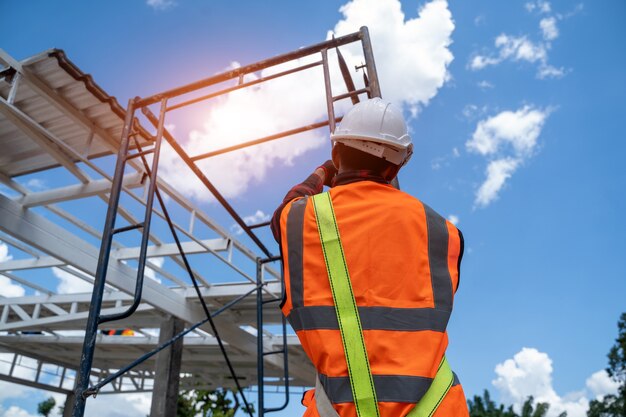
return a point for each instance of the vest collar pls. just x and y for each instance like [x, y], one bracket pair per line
[349, 177]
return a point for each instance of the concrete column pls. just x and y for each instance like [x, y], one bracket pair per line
[69, 404]
[165, 392]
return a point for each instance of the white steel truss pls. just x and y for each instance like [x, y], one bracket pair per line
[53, 117]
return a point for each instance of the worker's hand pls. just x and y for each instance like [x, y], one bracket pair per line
[327, 172]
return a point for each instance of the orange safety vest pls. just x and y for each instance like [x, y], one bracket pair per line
[403, 259]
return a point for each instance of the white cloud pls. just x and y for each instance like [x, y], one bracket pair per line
[119, 405]
[472, 111]
[7, 288]
[36, 184]
[485, 85]
[548, 28]
[109, 405]
[548, 71]
[506, 140]
[258, 217]
[454, 219]
[15, 411]
[540, 6]
[498, 172]
[151, 273]
[70, 283]
[600, 384]
[4, 252]
[519, 129]
[529, 372]
[522, 49]
[412, 57]
[160, 4]
[514, 48]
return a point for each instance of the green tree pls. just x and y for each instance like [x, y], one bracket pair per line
[614, 405]
[221, 402]
[536, 410]
[45, 407]
[485, 407]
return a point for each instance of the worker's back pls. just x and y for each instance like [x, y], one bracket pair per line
[403, 261]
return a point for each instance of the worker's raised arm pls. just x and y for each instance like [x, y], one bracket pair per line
[314, 184]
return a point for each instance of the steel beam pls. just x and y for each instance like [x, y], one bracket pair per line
[78, 191]
[170, 249]
[50, 238]
[41, 137]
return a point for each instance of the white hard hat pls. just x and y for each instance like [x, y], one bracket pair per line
[377, 127]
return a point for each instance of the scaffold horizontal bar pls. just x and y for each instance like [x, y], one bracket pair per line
[127, 228]
[234, 73]
[243, 85]
[351, 94]
[261, 140]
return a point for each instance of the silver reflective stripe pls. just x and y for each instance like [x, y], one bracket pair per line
[295, 225]
[372, 318]
[390, 388]
[324, 406]
[438, 259]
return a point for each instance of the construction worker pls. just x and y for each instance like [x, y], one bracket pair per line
[370, 275]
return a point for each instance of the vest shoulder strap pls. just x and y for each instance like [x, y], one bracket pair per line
[361, 380]
[359, 371]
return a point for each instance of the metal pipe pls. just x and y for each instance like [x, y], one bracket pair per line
[196, 287]
[243, 85]
[208, 184]
[259, 339]
[368, 54]
[285, 351]
[351, 94]
[146, 225]
[261, 140]
[329, 92]
[93, 390]
[95, 306]
[255, 226]
[235, 73]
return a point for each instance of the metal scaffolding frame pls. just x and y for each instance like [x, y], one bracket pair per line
[52, 246]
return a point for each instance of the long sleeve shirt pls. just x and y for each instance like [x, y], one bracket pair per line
[314, 185]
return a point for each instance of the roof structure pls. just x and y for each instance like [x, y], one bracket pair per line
[55, 121]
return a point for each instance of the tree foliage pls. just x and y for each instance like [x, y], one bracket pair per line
[614, 405]
[485, 407]
[221, 402]
[45, 407]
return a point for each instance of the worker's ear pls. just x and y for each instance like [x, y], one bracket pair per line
[335, 156]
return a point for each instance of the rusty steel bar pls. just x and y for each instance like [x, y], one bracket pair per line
[261, 140]
[208, 184]
[243, 85]
[329, 93]
[368, 54]
[235, 73]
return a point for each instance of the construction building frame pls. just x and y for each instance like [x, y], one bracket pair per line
[103, 306]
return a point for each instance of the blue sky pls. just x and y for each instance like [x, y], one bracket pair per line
[517, 130]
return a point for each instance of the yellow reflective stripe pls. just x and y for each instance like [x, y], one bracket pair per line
[438, 389]
[359, 371]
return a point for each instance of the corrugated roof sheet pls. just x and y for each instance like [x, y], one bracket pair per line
[53, 71]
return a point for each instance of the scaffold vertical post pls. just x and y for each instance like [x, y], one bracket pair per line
[91, 329]
[368, 54]
[259, 330]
